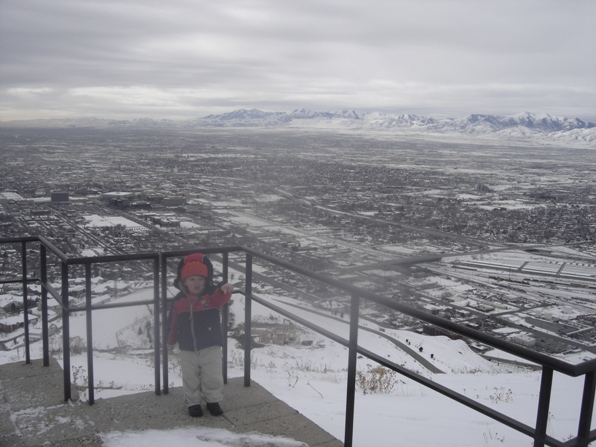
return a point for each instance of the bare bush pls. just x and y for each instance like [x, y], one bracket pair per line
[376, 380]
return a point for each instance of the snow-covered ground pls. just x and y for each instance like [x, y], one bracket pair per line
[312, 379]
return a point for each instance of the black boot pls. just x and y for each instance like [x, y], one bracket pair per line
[196, 411]
[214, 409]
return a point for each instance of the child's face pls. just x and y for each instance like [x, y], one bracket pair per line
[195, 284]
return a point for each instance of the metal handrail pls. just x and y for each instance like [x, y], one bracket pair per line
[160, 303]
[517, 350]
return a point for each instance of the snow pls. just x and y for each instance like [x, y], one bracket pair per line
[193, 225]
[95, 220]
[90, 252]
[208, 437]
[312, 380]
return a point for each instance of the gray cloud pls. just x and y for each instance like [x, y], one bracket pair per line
[188, 58]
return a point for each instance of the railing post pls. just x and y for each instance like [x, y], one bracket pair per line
[352, 361]
[224, 322]
[65, 332]
[225, 266]
[156, 331]
[164, 319]
[89, 320]
[25, 301]
[543, 406]
[44, 305]
[247, 318]
[587, 408]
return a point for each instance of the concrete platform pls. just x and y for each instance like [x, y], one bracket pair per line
[33, 412]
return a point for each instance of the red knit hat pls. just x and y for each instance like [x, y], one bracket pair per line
[193, 268]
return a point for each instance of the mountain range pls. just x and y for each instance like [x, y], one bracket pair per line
[524, 126]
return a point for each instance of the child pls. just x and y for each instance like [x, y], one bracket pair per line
[195, 323]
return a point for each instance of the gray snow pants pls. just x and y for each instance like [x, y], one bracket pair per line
[202, 375]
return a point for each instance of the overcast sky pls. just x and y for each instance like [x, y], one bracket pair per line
[190, 58]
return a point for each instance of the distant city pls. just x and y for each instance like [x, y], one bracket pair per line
[493, 235]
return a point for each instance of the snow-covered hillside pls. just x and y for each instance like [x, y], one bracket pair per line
[310, 375]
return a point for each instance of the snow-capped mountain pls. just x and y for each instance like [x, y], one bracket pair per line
[524, 126]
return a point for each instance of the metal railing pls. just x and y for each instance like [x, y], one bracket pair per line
[160, 303]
